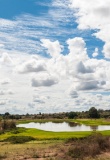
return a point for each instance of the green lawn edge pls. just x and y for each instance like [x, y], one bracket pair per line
[47, 135]
[93, 122]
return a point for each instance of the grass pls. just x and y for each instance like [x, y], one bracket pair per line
[48, 135]
[28, 150]
[18, 139]
[44, 135]
[93, 122]
[75, 149]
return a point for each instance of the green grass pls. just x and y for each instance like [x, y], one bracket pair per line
[47, 135]
[43, 135]
[93, 122]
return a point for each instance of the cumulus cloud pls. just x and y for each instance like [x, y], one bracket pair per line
[77, 47]
[10, 92]
[53, 48]
[39, 99]
[44, 80]
[6, 59]
[2, 92]
[2, 102]
[106, 50]
[73, 94]
[5, 81]
[99, 96]
[88, 85]
[32, 66]
[82, 69]
[94, 15]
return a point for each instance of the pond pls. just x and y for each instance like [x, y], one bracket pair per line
[64, 126]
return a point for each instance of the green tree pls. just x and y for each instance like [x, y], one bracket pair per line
[72, 115]
[93, 113]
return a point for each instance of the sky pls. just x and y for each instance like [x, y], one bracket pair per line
[54, 55]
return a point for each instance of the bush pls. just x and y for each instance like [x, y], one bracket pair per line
[19, 139]
[2, 156]
[18, 130]
[90, 146]
[7, 125]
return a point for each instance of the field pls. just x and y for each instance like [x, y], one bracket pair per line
[48, 145]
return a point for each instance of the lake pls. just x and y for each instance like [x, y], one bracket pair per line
[64, 126]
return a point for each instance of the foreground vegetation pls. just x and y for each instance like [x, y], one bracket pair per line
[94, 147]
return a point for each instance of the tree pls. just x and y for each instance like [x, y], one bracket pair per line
[6, 115]
[72, 115]
[93, 113]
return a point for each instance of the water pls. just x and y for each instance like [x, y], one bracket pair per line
[59, 127]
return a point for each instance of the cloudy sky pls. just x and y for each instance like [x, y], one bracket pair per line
[54, 55]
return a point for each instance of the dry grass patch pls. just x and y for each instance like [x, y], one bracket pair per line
[89, 147]
[94, 147]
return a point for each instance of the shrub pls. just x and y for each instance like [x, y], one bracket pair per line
[6, 125]
[90, 146]
[19, 139]
[2, 156]
[18, 130]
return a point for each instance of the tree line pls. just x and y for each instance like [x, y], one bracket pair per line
[91, 113]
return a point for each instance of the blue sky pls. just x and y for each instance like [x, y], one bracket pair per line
[57, 51]
[65, 23]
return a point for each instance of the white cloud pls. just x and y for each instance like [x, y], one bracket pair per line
[95, 54]
[1, 45]
[10, 92]
[44, 80]
[106, 50]
[31, 66]
[73, 94]
[94, 15]
[2, 103]
[77, 48]
[2, 92]
[87, 85]
[39, 99]
[6, 59]
[82, 69]
[5, 81]
[54, 48]
[30, 90]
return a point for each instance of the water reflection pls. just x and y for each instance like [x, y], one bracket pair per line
[58, 127]
[73, 124]
[94, 128]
